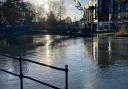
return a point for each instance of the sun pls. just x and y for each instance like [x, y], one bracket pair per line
[38, 3]
[45, 3]
[46, 7]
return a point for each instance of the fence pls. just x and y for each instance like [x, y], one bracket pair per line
[21, 76]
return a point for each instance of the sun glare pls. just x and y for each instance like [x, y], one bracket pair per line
[40, 3]
[46, 6]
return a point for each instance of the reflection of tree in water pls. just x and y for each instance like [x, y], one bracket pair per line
[59, 41]
[17, 46]
[23, 45]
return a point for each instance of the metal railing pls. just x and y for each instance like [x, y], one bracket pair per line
[21, 76]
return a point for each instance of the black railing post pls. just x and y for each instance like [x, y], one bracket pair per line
[21, 74]
[66, 77]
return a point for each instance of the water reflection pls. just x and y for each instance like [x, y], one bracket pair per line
[37, 48]
[106, 50]
[48, 49]
[83, 55]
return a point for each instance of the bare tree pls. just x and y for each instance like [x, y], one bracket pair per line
[61, 10]
[58, 8]
[39, 13]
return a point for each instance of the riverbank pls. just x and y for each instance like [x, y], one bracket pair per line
[118, 34]
[17, 31]
[122, 34]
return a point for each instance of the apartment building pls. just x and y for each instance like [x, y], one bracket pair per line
[90, 15]
[107, 15]
[112, 14]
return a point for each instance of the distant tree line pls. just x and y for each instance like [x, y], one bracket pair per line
[18, 12]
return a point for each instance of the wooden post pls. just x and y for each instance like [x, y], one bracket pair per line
[21, 74]
[66, 77]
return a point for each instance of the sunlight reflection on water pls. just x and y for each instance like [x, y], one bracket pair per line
[94, 63]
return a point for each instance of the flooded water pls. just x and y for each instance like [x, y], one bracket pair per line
[100, 62]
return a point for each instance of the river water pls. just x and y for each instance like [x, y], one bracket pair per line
[100, 62]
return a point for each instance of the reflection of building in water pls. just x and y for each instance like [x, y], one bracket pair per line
[100, 50]
[104, 51]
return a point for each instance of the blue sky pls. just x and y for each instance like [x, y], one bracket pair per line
[71, 9]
